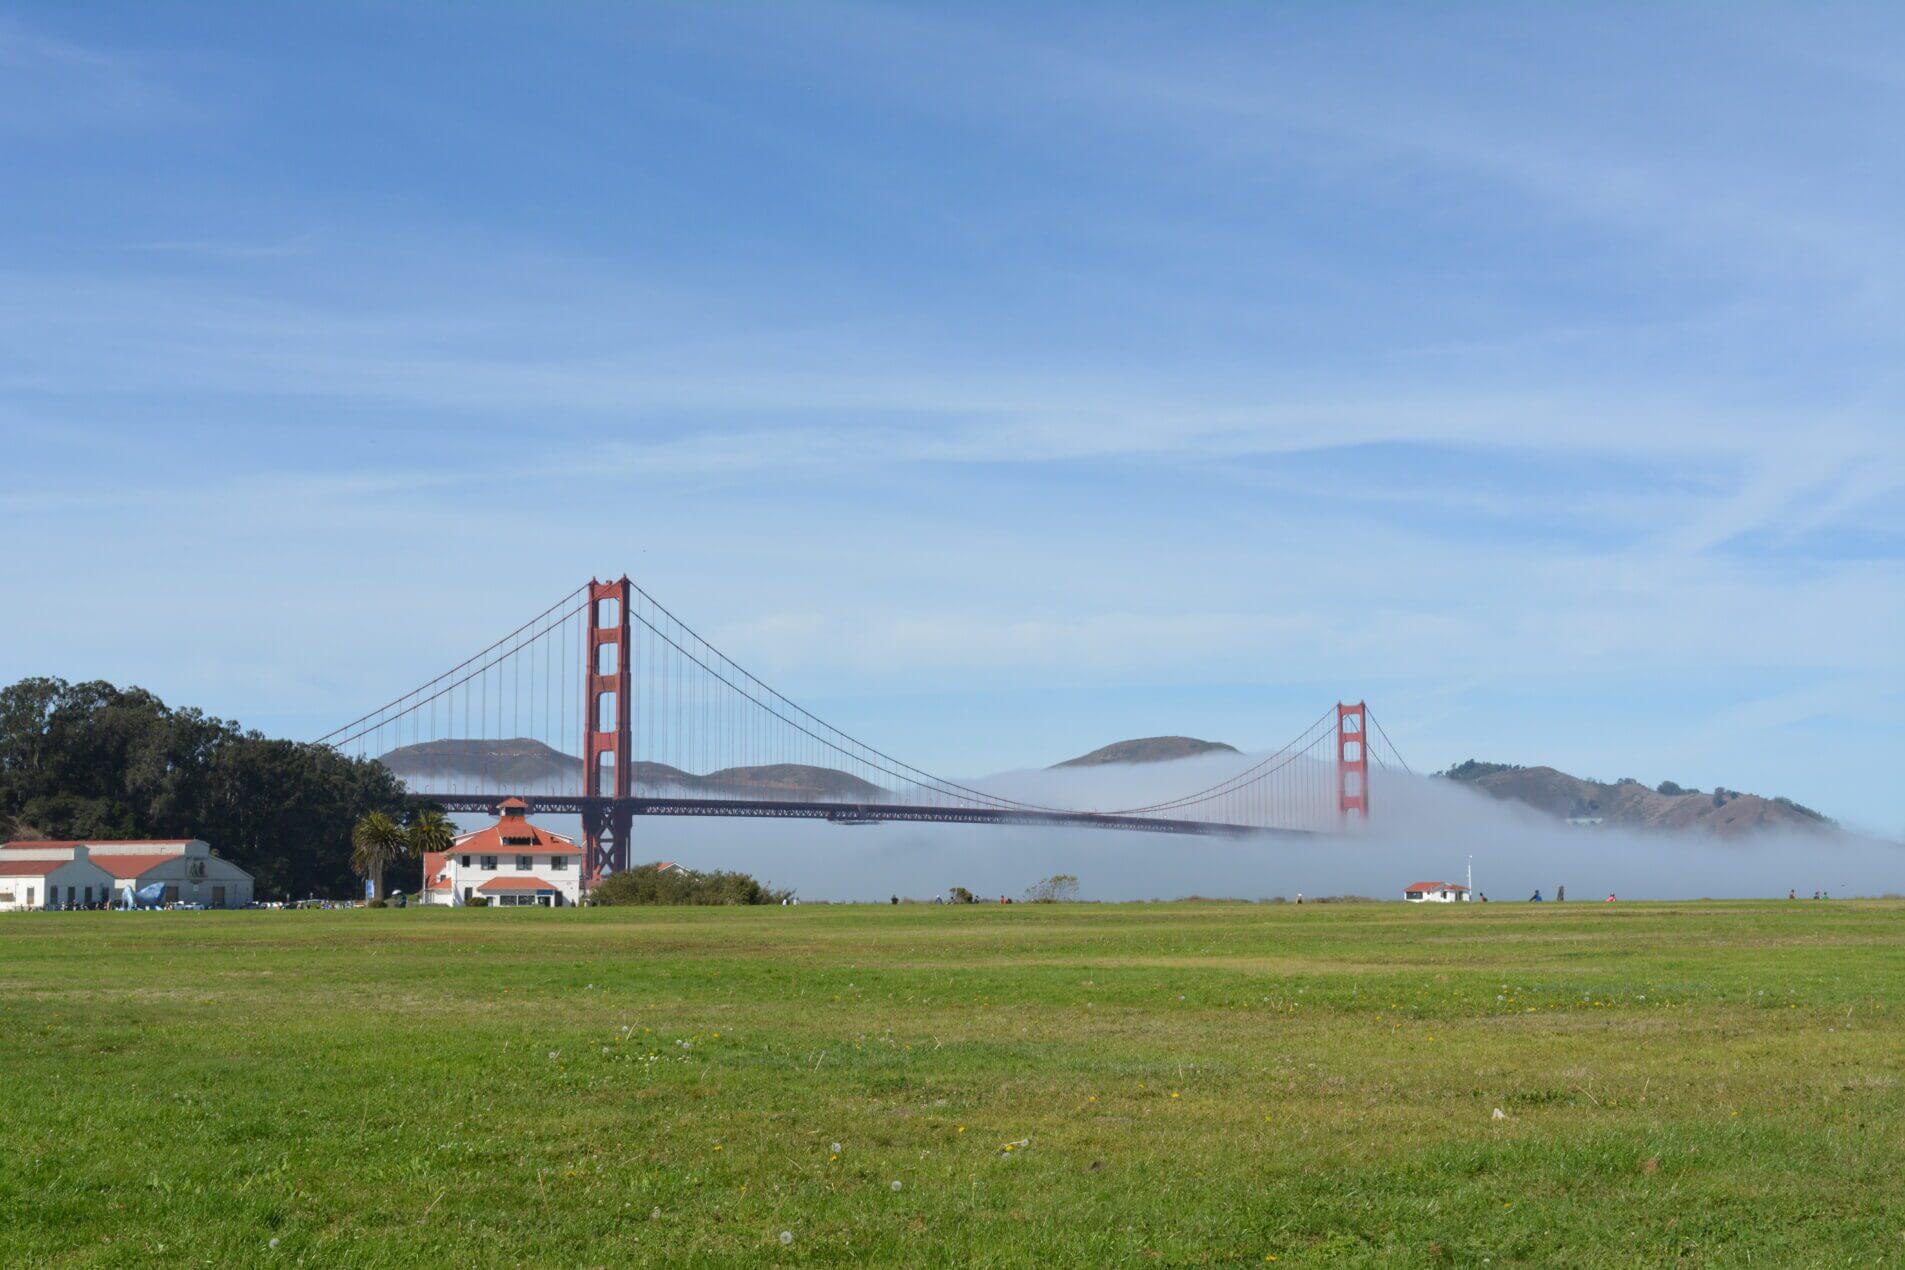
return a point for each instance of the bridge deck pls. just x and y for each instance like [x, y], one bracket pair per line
[840, 813]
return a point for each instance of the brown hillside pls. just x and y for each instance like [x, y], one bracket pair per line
[526, 766]
[1150, 749]
[1630, 804]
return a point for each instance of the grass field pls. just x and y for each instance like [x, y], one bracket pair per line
[1714, 1083]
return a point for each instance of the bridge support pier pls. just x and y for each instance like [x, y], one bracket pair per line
[606, 829]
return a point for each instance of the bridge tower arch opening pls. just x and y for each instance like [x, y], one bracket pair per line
[607, 764]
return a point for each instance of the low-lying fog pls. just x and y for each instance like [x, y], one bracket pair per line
[1421, 830]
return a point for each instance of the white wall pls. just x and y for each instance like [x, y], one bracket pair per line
[567, 879]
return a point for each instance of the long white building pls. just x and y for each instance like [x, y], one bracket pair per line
[65, 873]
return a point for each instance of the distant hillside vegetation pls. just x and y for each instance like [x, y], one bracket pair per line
[1630, 804]
[1150, 749]
[525, 766]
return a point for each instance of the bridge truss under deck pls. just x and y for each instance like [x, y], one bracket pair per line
[843, 813]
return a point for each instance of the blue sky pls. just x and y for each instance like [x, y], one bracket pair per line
[1001, 383]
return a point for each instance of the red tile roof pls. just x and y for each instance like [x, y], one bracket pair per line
[30, 868]
[1435, 886]
[45, 843]
[436, 866]
[518, 884]
[537, 841]
[131, 866]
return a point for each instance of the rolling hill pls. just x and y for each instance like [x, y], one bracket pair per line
[527, 766]
[1150, 749]
[1629, 804]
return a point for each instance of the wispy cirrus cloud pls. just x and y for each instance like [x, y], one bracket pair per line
[50, 86]
[1020, 353]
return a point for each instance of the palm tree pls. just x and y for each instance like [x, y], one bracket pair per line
[376, 841]
[430, 831]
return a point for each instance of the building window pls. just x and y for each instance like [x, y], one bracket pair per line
[467, 892]
[558, 863]
[466, 862]
[489, 862]
[524, 864]
[29, 897]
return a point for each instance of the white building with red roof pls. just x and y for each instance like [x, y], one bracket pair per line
[186, 867]
[511, 864]
[52, 881]
[1434, 892]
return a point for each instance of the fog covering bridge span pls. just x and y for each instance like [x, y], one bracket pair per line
[666, 724]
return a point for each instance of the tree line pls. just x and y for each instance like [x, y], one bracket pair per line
[92, 760]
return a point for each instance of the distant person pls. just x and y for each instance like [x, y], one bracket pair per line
[1536, 897]
[1482, 896]
[1610, 897]
[1299, 897]
[895, 899]
[1792, 895]
[1815, 895]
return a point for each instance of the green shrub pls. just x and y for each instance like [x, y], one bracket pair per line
[477, 901]
[1052, 890]
[377, 904]
[648, 884]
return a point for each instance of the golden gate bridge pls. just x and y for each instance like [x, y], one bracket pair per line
[668, 725]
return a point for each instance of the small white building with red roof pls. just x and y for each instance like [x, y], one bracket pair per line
[511, 864]
[186, 867]
[52, 881]
[1434, 892]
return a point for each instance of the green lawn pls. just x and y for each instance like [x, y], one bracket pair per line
[1716, 1083]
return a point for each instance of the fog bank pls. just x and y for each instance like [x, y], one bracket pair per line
[1421, 830]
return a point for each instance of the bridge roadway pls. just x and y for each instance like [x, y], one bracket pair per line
[838, 813]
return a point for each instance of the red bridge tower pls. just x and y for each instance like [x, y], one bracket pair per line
[1352, 760]
[607, 769]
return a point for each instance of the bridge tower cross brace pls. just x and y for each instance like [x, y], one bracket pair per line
[608, 765]
[1352, 760]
